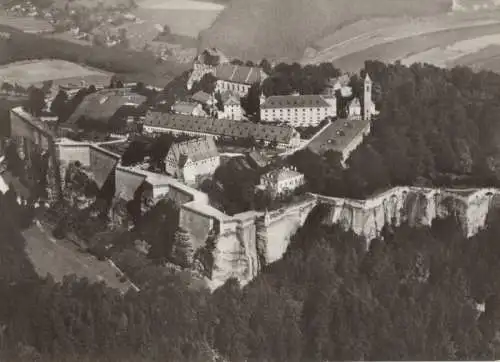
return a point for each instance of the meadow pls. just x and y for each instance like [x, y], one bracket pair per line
[183, 17]
[38, 71]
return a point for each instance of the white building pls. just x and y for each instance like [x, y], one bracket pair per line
[189, 159]
[232, 107]
[282, 180]
[297, 110]
[355, 108]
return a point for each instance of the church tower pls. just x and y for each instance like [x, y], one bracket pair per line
[367, 98]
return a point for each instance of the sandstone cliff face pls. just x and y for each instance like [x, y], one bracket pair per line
[242, 252]
[417, 206]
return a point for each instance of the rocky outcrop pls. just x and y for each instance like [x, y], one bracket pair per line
[246, 245]
[416, 206]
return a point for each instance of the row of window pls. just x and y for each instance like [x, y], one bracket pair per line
[234, 86]
[296, 110]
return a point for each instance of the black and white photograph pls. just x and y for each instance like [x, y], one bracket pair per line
[249, 180]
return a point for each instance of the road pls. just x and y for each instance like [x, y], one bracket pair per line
[61, 257]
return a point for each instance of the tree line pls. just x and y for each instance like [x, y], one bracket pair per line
[412, 294]
[437, 127]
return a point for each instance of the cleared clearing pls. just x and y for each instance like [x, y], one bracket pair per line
[60, 258]
[38, 71]
[183, 17]
[430, 39]
[487, 59]
[353, 60]
[180, 5]
[446, 56]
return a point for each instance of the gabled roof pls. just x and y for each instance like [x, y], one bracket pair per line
[102, 105]
[230, 99]
[201, 97]
[258, 158]
[220, 127]
[292, 101]
[282, 174]
[184, 107]
[355, 103]
[195, 150]
[239, 73]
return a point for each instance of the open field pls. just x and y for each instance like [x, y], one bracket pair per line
[28, 73]
[451, 55]
[180, 5]
[183, 17]
[60, 258]
[487, 59]
[26, 24]
[283, 29]
[135, 66]
[351, 56]
[367, 34]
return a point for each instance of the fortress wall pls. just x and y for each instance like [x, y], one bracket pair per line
[178, 195]
[127, 183]
[72, 152]
[101, 164]
[22, 128]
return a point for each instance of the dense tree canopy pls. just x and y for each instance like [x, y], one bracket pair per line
[436, 127]
[290, 78]
[410, 294]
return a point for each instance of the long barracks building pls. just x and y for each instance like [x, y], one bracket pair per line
[157, 122]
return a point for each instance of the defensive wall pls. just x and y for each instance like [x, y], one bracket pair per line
[245, 242]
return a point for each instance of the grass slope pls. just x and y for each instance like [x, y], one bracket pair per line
[278, 29]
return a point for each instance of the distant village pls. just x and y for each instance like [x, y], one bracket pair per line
[109, 26]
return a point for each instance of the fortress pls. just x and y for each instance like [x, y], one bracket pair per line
[240, 245]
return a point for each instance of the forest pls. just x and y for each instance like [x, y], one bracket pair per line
[437, 127]
[412, 294]
[425, 293]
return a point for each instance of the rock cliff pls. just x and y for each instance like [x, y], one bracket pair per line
[244, 247]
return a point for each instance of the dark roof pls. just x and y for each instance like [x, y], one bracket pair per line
[102, 105]
[238, 73]
[15, 182]
[220, 127]
[201, 97]
[229, 98]
[184, 107]
[338, 135]
[195, 150]
[302, 101]
[258, 158]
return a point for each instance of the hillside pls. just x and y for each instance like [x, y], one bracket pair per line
[279, 29]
